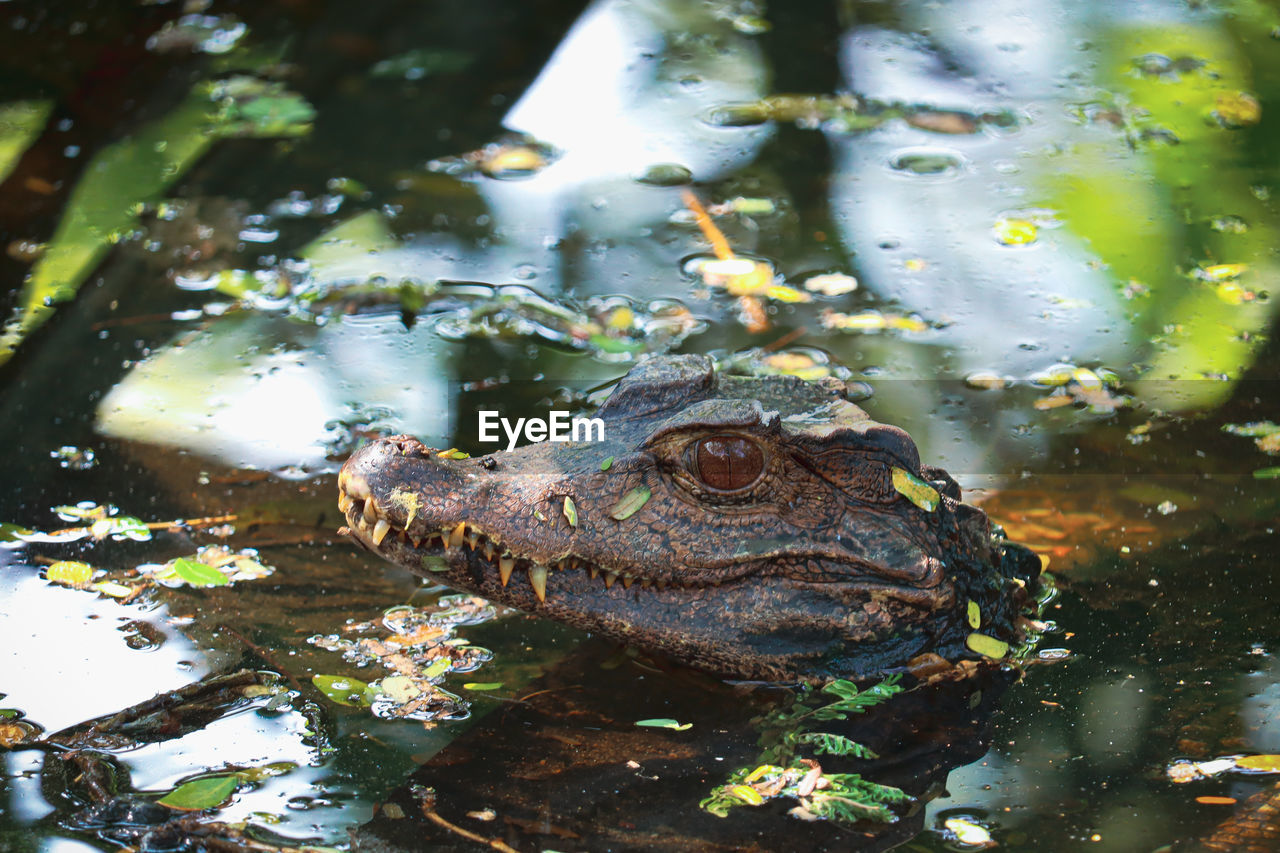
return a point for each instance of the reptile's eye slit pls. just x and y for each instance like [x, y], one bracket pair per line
[726, 463]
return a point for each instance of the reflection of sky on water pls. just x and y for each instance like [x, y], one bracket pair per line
[262, 392]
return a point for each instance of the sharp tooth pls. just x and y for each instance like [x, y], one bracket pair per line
[609, 580]
[417, 542]
[344, 502]
[380, 531]
[646, 583]
[538, 579]
[455, 535]
[473, 538]
[505, 565]
[488, 550]
[370, 511]
[594, 572]
[627, 581]
[661, 584]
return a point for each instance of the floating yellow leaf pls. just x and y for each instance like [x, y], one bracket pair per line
[974, 615]
[783, 293]
[916, 490]
[1237, 110]
[969, 833]
[1216, 801]
[1015, 232]
[453, 453]
[1221, 272]
[399, 688]
[1260, 763]
[915, 264]
[70, 572]
[570, 511]
[761, 771]
[906, 323]
[113, 589]
[867, 321]
[747, 794]
[513, 160]
[1232, 293]
[621, 319]
[987, 646]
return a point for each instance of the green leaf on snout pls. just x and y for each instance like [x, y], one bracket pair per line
[206, 793]
[606, 464]
[916, 490]
[570, 511]
[631, 503]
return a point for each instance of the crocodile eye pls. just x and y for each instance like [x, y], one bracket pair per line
[727, 463]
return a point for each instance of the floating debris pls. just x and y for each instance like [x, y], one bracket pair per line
[508, 159]
[74, 458]
[831, 284]
[1181, 772]
[420, 647]
[211, 565]
[873, 321]
[666, 175]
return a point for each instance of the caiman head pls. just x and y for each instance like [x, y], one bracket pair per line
[756, 527]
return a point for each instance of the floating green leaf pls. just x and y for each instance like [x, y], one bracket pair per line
[665, 723]
[199, 574]
[570, 511]
[10, 532]
[631, 503]
[207, 793]
[482, 685]
[342, 689]
[987, 646]
[20, 124]
[916, 490]
[974, 615]
[437, 667]
[1267, 473]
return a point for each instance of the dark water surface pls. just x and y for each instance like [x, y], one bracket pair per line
[1060, 221]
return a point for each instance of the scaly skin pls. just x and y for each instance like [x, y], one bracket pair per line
[817, 568]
